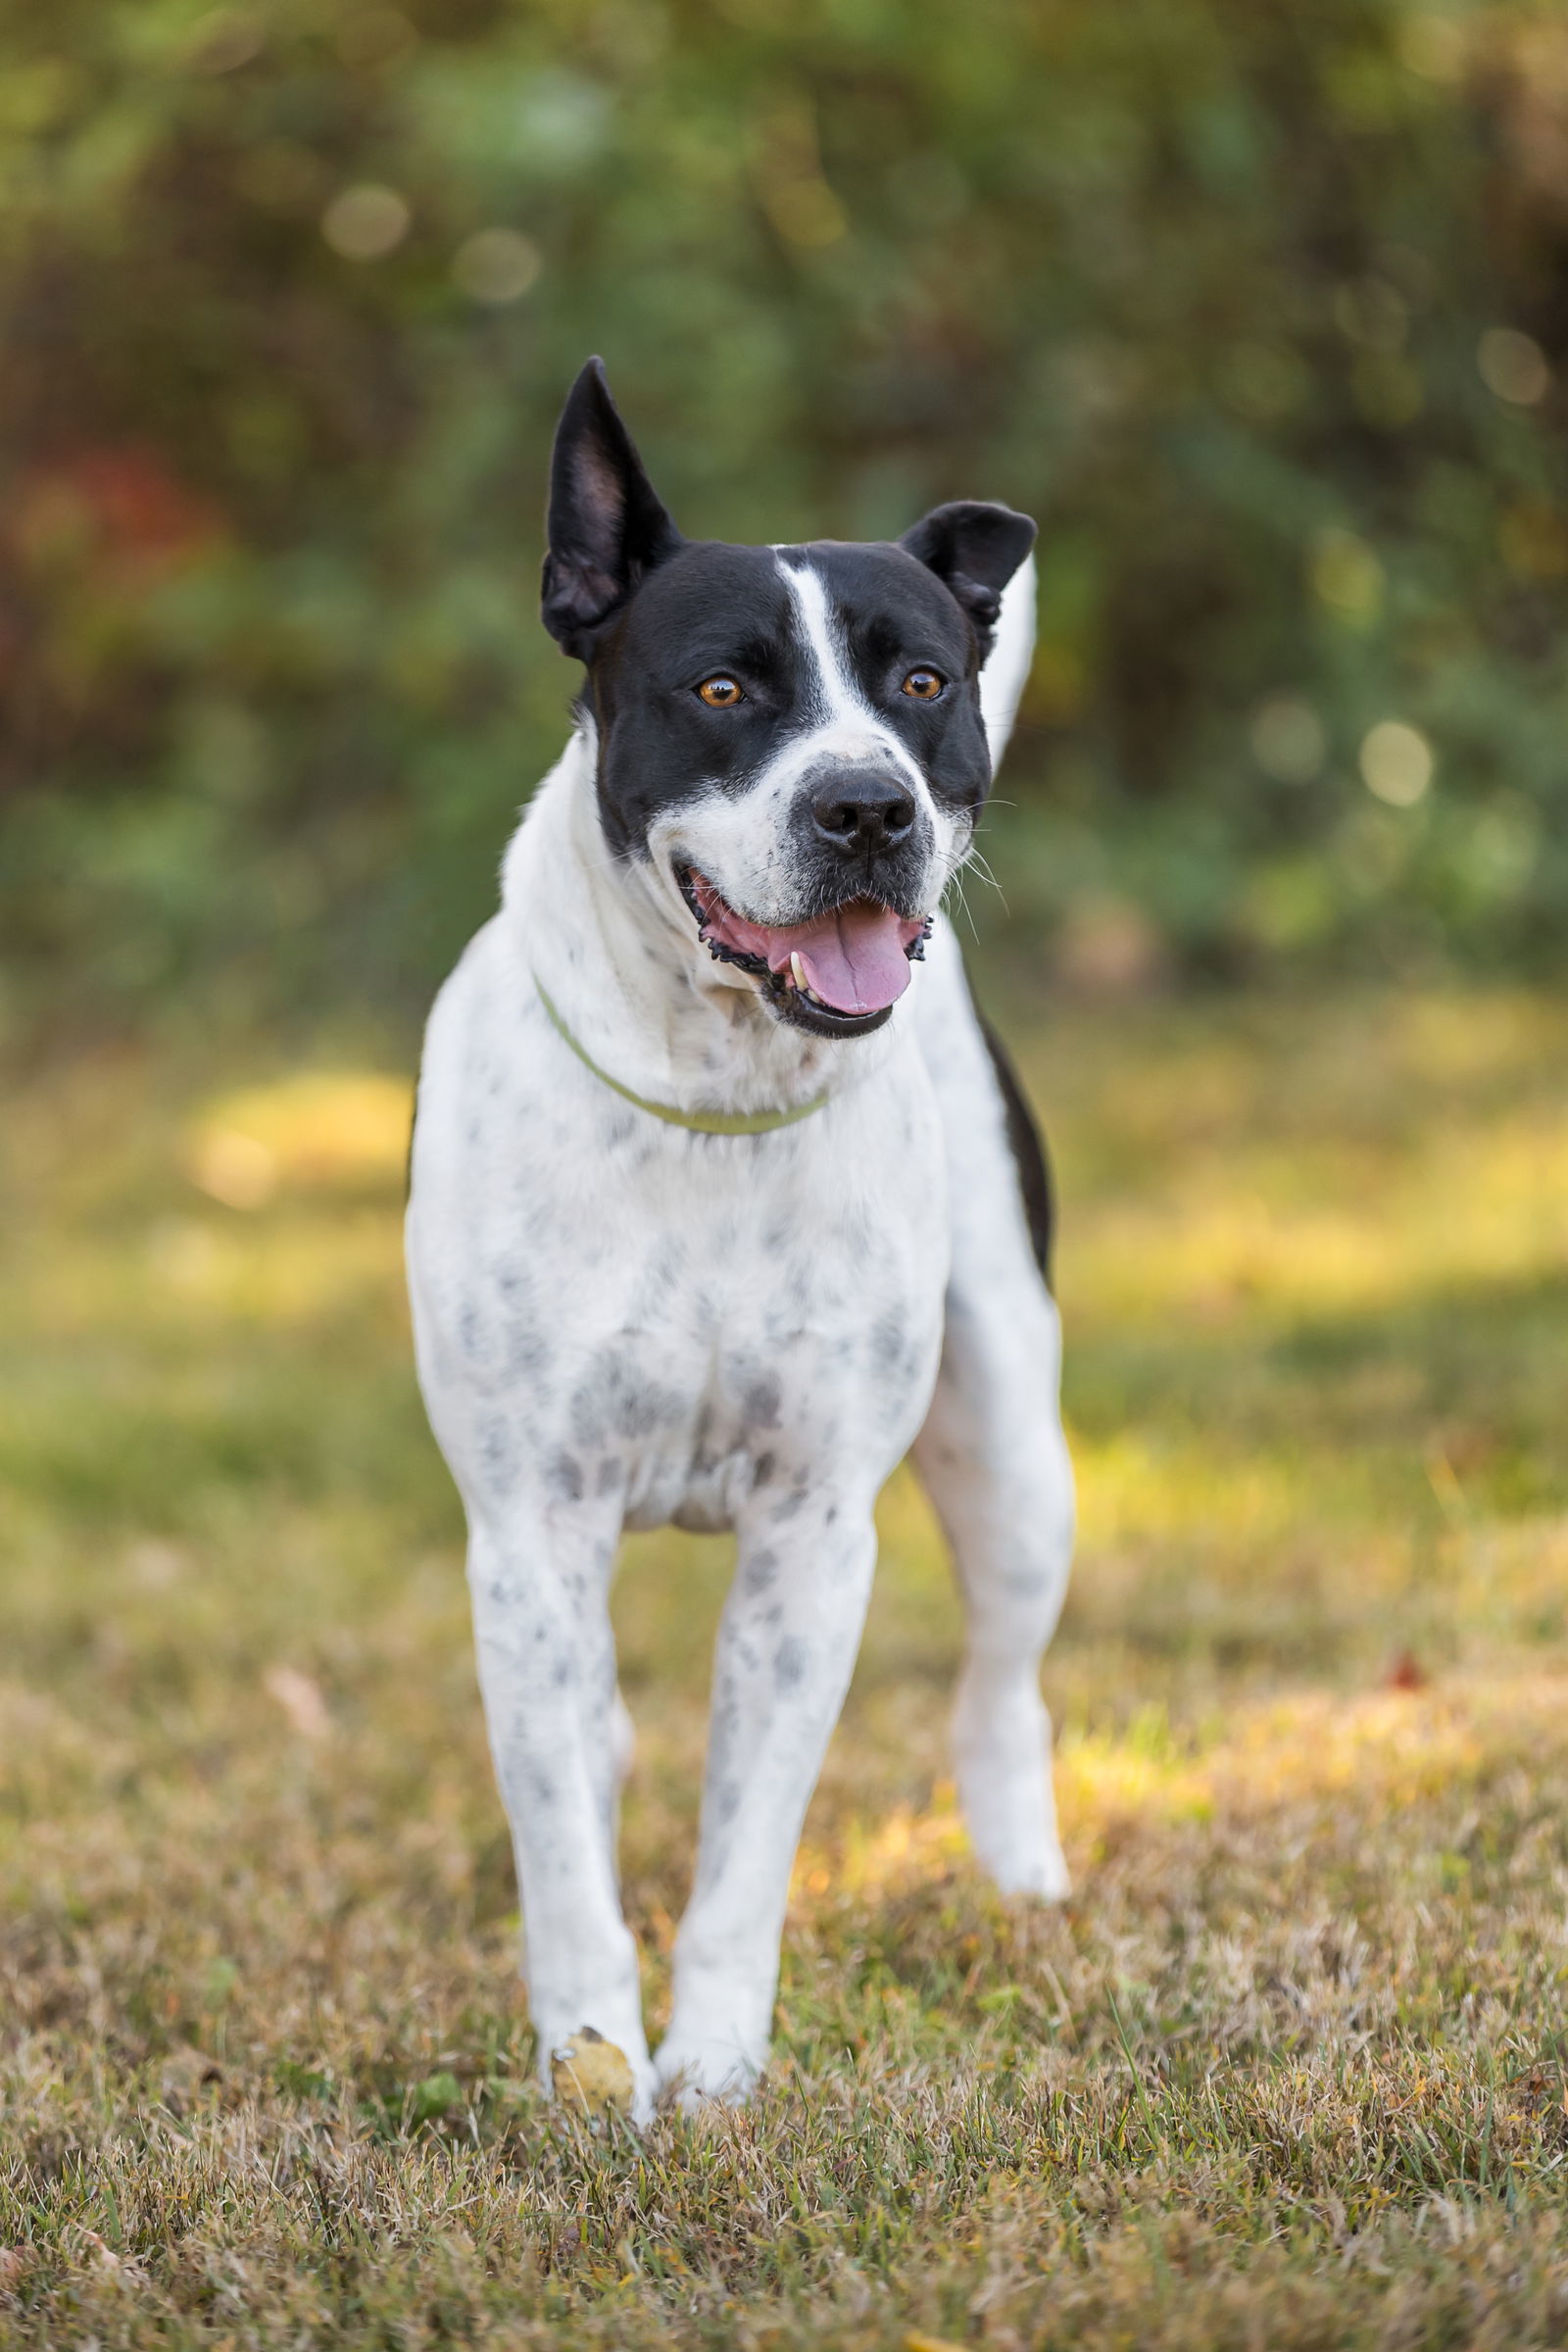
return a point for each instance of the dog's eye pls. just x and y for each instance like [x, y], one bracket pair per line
[720, 694]
[924, 684]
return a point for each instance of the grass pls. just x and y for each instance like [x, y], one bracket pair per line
[1291, 2070]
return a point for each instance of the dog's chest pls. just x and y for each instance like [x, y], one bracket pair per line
[682, 1325]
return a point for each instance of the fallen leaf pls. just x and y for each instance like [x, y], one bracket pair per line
[591, 2072]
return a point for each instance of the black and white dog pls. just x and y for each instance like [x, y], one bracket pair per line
[722, 1199]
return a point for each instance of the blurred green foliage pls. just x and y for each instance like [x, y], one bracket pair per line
[1262, 309]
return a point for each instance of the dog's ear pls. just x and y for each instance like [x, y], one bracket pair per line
[606, 525]
[974, 549]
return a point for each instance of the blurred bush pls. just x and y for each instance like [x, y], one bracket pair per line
[1262, 311]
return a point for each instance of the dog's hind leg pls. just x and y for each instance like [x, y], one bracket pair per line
[559, 1735]
[995, 1465]
[992, 1453]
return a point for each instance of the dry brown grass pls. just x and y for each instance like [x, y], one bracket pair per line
[1292, 2068]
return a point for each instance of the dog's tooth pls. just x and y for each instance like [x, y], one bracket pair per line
[797, 971]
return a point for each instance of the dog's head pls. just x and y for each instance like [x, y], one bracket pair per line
[790, 736]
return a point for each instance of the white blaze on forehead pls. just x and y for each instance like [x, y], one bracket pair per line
[849, 728]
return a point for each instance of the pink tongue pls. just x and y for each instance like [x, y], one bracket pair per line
[854, 958]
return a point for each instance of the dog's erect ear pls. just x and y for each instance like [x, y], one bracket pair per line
[974, 549]
[607, 527]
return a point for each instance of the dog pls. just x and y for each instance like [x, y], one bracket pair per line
[723, 1198]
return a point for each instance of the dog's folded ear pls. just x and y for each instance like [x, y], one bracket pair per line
[606, 525]
[974, 548]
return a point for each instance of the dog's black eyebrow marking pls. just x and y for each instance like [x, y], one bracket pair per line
[760, 656]
[882, 637]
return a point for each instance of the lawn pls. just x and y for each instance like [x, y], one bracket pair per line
[1290, 2070]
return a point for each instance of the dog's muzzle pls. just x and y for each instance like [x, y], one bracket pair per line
[840, 973]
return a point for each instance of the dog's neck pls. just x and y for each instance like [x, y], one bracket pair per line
[616, 948]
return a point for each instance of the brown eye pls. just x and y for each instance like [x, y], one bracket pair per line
[924, 684]
[720, 694]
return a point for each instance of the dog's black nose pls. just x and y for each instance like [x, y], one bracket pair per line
[863, 815]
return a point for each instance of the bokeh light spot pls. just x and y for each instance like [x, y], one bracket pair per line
[1434, 46]
[497, 264]
[234, 1168]
[1397, 762]
[1513, 365]
[226, 39]
[320, 1130]
[366, 222]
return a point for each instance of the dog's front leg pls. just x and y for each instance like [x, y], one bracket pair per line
[547, 1669]
[786, 1649]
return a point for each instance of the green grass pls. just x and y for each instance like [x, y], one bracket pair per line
[1291, 2070]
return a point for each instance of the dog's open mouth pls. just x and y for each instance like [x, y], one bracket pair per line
[844, 971]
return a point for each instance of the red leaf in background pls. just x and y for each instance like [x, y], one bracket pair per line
[141, 502]
[127, 503]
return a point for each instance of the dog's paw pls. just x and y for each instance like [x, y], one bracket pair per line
[692, 2069]
[1041, 1872]
[1018, 1846]
[1002, 1744]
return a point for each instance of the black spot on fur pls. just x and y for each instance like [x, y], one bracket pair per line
[890, 1339]
[498, 1451]
[758, 1569]
[564, 1478]
[614, 1400]
[760, 1402]
[726, 1801]
[788, 1663]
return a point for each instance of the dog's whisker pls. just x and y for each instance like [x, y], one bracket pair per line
[981, 865]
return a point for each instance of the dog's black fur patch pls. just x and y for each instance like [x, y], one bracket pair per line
[1028, 1145]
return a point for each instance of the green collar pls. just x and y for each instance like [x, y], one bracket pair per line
[701, 1122]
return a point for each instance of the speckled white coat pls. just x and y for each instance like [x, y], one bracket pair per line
[620, 1322]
